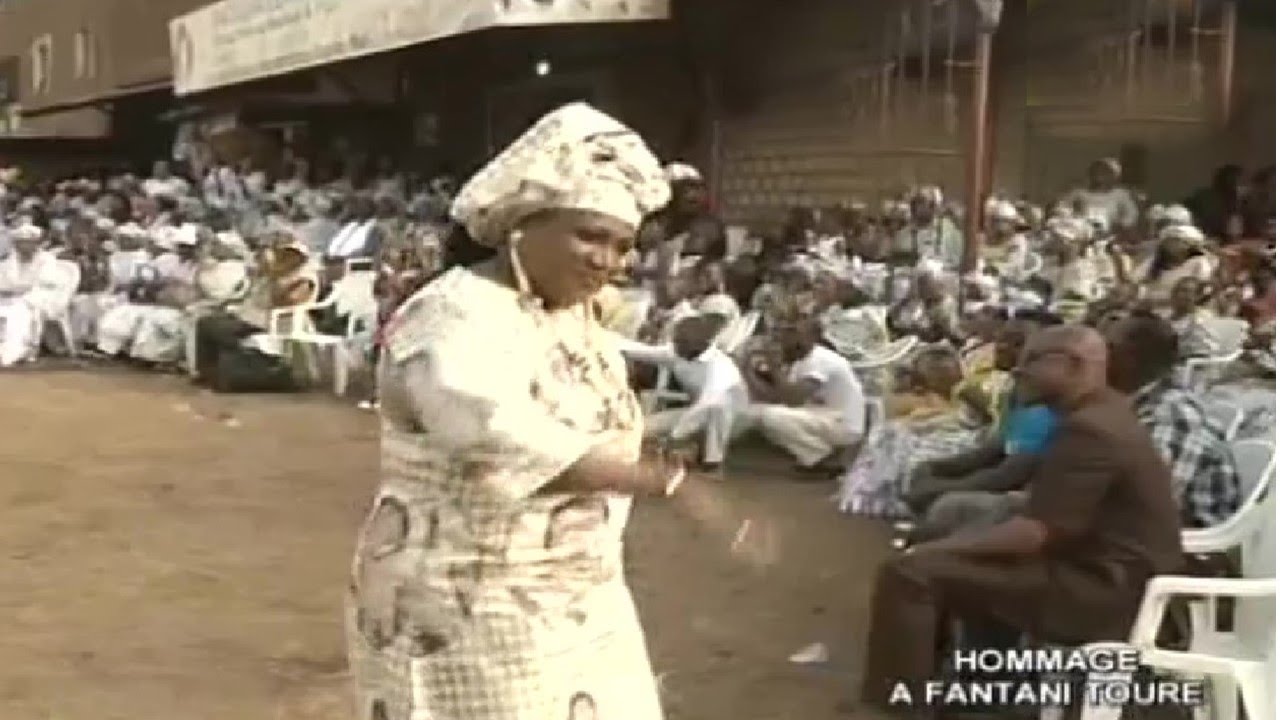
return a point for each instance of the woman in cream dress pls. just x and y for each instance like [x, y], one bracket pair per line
[488, 582]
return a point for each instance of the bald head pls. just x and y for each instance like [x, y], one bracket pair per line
[1062, 365]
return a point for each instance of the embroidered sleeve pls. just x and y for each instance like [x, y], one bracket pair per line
[470, 389]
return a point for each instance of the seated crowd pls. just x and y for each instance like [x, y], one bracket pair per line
[1092, 342]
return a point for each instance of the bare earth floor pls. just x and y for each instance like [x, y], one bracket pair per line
[171, 555]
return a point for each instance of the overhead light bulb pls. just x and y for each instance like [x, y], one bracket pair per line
[542, 69]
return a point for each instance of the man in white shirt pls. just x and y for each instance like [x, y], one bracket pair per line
[817, 410]
[709, 376]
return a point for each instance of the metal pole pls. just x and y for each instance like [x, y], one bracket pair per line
[1228, 61]
[977, 151]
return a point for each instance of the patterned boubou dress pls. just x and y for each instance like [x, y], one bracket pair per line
[474, 595]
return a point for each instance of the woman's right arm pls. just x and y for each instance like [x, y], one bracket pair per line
[601, 471]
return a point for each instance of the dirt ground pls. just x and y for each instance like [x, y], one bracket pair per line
[179, 556]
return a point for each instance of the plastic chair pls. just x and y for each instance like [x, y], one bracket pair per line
[640, 301]
[734, 335]
[293, 325]
[892, 354]
[1229, 416]
[1229, 334]
[1241, 661]
[1034, 264]
[1256, 465]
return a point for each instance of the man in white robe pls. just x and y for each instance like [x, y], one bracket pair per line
[711, 378]
[159, 336]
[149, 326]
[32, 290]
[816, 411]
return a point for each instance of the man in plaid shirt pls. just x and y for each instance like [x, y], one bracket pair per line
[1143, 354]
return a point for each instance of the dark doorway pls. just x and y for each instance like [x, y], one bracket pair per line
[514, 108]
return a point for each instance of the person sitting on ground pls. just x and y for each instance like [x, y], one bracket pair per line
[1072, 566]
[1144, 353]
[986, 389]
[984, 486]
[929, 312]
[806, 399]
[712, 380]
[930, 385]
[927, 419]
[232, 347]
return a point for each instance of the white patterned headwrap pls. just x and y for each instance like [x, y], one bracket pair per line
[574, 158]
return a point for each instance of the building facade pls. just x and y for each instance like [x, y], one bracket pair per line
[92, 73]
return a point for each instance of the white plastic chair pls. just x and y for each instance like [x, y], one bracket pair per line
[1255, 462]
[1034, 264]
[293, 324]
[891, 354]
[1241, 661]
[1229, 335]
[640, 301]
[734, 335]
[1229, 417]
[1238, 660]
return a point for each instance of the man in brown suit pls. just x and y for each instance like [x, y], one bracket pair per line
[1072, 566]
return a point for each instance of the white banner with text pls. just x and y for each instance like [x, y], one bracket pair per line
[234, 41]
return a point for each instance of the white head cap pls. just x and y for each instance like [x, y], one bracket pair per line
[1186, 233]
[1178, 215]
[1003, 210]
[27, 231]
[682, 172]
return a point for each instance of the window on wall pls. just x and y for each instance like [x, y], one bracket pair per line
[42, 64]
[86, 55]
